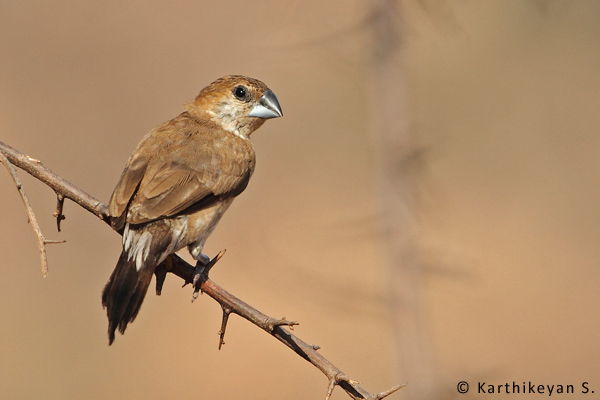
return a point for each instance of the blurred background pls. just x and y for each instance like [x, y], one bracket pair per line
[427, 208]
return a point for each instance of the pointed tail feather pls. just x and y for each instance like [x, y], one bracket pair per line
[124, 293]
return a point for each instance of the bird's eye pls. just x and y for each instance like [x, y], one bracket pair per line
[240, 92]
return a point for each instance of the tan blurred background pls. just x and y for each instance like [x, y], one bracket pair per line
[427, 208]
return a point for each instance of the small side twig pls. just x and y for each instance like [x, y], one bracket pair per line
[42, 242]
[57, 183]
[271, 323]
[187, 272]
[330, 388]
[273, 326]
[386, 393]
[226, 312]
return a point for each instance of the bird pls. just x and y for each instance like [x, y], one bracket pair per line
[178, 182]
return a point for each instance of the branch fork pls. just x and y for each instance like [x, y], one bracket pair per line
[41, 240]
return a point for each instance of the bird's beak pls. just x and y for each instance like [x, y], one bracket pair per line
[268, 107]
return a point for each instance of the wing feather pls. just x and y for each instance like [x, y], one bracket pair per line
[181, 165]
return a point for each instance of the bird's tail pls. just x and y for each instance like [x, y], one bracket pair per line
[124, 293]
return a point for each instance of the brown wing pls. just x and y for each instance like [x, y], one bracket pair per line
[128, 184]
[180, 165]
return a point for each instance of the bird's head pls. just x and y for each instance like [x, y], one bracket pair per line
[236, 103]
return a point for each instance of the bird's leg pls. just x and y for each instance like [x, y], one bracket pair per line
[203, 266]
[202, 260]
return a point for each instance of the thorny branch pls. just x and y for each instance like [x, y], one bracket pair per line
[42, 241]
[174, 264]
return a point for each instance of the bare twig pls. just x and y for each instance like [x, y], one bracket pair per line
[42, 242]
[226, 312]
[229, 303]
[330, 388]
[61, 186]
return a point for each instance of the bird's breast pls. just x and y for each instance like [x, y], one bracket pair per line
[202, 223]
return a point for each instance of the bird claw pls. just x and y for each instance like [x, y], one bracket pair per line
[197, 275]
[200, 269]
[201, 263]
[203, 266]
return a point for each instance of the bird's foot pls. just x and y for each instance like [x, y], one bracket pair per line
[201, 262]
[203, 266]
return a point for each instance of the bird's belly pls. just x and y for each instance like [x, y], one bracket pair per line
[202, 223]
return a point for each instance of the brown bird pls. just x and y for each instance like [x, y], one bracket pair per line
[177, 184]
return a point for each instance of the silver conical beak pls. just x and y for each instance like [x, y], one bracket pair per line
[268, 107]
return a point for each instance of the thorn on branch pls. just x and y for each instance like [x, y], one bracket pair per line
[46, 241]
[381, 395]
[212, 262]
[353, 389]
[58, 213]
[11, 157]
[272, 323]
[226, 312]
[340, 379]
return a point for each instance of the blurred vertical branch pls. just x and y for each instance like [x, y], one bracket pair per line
[396, 157]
